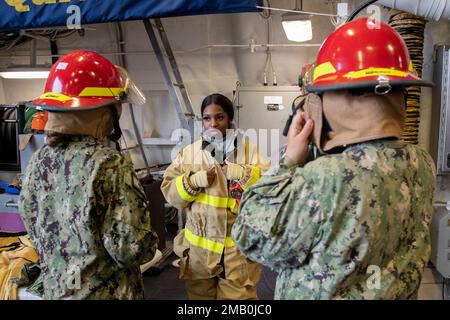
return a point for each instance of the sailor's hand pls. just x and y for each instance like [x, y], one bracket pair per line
[298, 138]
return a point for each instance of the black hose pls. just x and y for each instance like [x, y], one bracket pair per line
[358, 9]
[54, 50]
[8, 134]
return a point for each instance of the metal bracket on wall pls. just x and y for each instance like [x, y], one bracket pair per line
[183, 106]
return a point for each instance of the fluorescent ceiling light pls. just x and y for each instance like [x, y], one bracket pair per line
[25, 73]
[297, 27]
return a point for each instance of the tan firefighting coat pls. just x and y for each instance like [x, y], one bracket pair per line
[211, 214]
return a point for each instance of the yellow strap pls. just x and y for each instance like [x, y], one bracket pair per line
[181, 191]
[247, 152]
[229, 242]
[255, 175]
[100, 92]
[207, 244]
[323, 69]
[375, 72]
[55, 96]
[232, 205]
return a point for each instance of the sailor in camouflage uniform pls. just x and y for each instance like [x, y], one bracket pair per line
[353, 223]
[82, 204]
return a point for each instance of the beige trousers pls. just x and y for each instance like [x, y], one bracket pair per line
[218, 289]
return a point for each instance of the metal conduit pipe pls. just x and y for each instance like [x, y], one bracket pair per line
[25, 52]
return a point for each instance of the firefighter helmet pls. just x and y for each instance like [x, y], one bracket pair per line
[364, 53]
[81, 80]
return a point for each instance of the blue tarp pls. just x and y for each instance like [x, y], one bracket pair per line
[28, 14]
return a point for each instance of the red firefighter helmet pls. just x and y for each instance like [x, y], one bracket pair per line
[364, 53]
[80, 80]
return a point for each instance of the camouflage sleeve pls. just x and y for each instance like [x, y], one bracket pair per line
[126, 230]
[276, 222]
[174, 187]
[28, 203]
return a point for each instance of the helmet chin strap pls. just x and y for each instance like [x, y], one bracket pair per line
[117, 132]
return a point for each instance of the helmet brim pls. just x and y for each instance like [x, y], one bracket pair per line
[368, 84]
[72, 105]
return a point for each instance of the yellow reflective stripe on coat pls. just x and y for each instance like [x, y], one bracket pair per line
[255, 175]
[100, 92]
[181, 191]
[323, 69]
[217, 202]
[55, 96]
[375, 72]
[207, 244]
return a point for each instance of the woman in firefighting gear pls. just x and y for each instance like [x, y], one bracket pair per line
[207, 179]
[81, 201]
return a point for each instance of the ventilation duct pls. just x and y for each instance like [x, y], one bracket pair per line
[431, 9]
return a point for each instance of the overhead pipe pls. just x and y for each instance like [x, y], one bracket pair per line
[252, 47]
[298, 11]
[431, 9]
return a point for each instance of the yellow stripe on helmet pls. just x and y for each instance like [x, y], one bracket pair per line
[55, 96]
[375, 72]
[100, 92]
[323, 69]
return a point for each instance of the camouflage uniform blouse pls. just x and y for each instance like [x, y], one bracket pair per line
[353, 225]
[87, 215]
